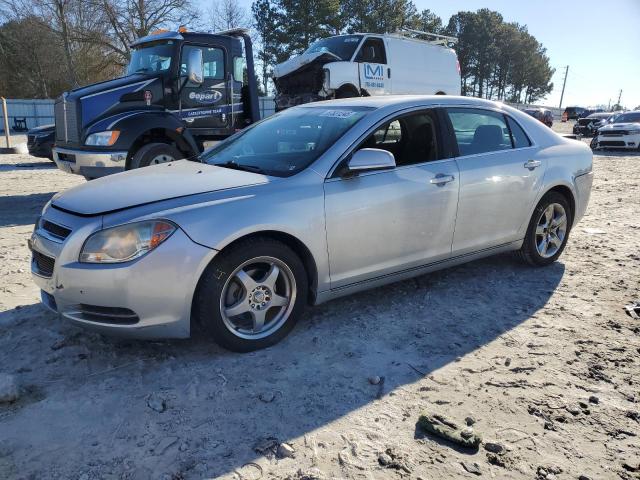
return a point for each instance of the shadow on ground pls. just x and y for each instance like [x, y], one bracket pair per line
[22, 209]
[92, 413]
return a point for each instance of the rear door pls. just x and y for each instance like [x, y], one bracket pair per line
[501, 174]
[375, 73]
[205, 105]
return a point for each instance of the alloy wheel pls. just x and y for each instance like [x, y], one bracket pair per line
[258, 297]
[551, 230]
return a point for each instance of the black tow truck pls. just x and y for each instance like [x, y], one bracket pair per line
[180, 89]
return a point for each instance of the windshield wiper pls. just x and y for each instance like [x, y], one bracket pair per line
[238, 166]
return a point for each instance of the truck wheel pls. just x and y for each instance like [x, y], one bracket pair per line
[154, 154]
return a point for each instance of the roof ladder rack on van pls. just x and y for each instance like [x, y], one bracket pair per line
[434, 38]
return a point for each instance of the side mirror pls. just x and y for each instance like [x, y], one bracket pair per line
[194, 66]
[371, 159]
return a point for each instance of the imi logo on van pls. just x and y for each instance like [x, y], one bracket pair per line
[373, 72]
[205, 97]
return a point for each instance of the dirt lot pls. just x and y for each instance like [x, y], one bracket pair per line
[544, 360]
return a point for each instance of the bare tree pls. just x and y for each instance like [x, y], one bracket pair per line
[227, 14]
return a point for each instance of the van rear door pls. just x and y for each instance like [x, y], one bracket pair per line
[374, 71]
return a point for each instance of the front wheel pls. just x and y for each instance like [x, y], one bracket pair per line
[251, 296]
[154, 154]
[548, 230]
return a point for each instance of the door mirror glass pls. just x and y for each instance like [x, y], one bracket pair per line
[371, 159]
[194, 66]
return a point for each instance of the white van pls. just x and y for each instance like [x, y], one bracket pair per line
[369, 64]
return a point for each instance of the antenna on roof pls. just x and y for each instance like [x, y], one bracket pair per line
[434, 38]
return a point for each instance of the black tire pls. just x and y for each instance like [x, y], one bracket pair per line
[207, 310]
[594, 142]
[347, 92]
[151, 151]
[528, 253]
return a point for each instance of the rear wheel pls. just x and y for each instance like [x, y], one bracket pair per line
[154, 154]
[251, 296]
[548, 230]
[348, 91]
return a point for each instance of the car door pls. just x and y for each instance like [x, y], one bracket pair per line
[386, 221]
[500, 176]
[375, 74]
[204, 105]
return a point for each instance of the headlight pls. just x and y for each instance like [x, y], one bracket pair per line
[126, 242]
[103, 139]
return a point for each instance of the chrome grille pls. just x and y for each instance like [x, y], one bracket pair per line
[67, 121]
[607, 133]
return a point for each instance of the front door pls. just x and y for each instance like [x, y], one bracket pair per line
[500, 176]
[385, 221]
[375, 74]
[205, 105]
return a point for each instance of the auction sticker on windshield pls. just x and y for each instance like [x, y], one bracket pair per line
[337, 113]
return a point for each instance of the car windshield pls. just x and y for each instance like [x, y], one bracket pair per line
[151, 58]
[630, 117]
[342, 46]
[287, 142]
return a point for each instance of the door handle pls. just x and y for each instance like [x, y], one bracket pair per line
[442, 179]
[531, 164]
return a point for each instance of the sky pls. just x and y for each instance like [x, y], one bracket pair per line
[598, 39]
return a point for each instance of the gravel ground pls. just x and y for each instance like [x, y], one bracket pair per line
[544, 362]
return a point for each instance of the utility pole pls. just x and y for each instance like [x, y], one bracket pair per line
[619, 98]
[564, 84]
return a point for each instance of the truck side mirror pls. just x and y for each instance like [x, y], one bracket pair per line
[194, 66]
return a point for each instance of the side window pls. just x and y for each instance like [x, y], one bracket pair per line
[212, 62]
[372, 51]
[411, 138]
[520, 139]
[479, 131]
[238, 69]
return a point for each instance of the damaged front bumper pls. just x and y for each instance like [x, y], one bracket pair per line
[284, 101]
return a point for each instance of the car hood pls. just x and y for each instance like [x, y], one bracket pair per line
[42, 129]
[151, 184]
[621, 126]
[295, 63]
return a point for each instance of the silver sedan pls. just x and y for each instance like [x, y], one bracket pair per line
[313, 203]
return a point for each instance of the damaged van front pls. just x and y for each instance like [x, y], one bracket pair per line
[318, 73]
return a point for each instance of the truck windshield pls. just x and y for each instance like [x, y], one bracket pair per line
[287, 142]
[342, 46]
[151, 58]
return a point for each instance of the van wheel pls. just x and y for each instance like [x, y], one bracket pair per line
[154, 154]
[348, 91]
[548, 231]
[251, 295]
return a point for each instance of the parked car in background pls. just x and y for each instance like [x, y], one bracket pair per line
[369, 65]
[588, 112]
[572, 113]
[541, 114]
[624, 132]
[40, 141]
[587, 126]
[351, 194]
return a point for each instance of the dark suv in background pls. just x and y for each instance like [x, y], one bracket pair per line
[573, 113]
[542, 114]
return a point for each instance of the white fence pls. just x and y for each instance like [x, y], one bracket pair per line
[28, 113]
[35, 113]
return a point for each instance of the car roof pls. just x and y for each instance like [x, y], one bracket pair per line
[381, 101]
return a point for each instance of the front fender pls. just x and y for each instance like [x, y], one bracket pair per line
[132, 125]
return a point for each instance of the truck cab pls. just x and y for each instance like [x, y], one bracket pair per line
[366, 64]
[179, 90]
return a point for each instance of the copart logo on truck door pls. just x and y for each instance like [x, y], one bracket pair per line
[211, 96]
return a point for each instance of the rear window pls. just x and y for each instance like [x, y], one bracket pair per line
[520, 139]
